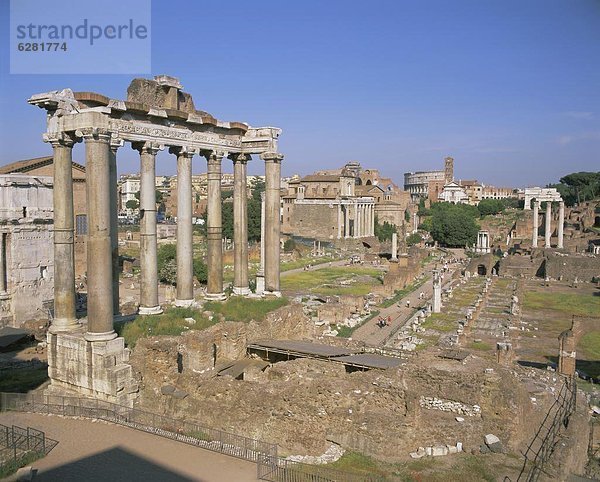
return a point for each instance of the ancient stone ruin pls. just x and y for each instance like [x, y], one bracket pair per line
[156, 115]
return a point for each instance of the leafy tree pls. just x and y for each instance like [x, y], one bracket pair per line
[407, 215]
[414, 238]
[132, 204]
[490, 206]
[200, 271]
[254, 206]
[583, 186]
[384, 231]
[166, 256]
[454, 224]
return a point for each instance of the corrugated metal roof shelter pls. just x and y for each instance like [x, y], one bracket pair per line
[370, 360]
[301, 348]
[10, 335]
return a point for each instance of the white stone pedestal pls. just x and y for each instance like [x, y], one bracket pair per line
[260, 284]
[96, 369]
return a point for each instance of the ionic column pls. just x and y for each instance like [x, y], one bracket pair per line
[240, 225]
[214, 289]
[148, 247]
[359, 223]
[272, 221]
[115, 143]
[339, 221]
[185, 252]
[372, 220]
[363, 215]
[260, 275]
[536, 227]
[561, 222]
[3, 283]
[346, 223]
[355, 234]
[99, 247]
[64, 253]
[548, 223]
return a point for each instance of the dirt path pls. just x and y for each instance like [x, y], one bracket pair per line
[99, 451]
[399, 313]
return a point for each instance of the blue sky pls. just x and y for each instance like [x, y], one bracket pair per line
[510, 89]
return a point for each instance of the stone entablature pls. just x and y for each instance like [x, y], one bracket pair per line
[541, 194]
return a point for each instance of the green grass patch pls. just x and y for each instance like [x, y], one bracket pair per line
[329, 281]
[463, 467]
[11, 467]
[238, 308]
[357, 463]
[480, 345]
[578, 304]
[302, 262]
[171, 322]
[21, 380]
[589, 345]
[443, 322]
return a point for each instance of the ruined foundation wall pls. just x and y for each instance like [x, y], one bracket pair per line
[584, 268]
[30, 273]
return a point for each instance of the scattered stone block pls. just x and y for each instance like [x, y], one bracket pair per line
[167, 390]
[491, 439]
[439, 450]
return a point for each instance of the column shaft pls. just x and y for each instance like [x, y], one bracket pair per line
[339, 221]
[64, 254]
[148, 246]
[114, 223]
[3, 283]
[561, 223]
[534, 241]
[214, 228]
[99, 248]
[272, 224]
[346, 223]
[240, 226]
[185, 260]
[548, 226]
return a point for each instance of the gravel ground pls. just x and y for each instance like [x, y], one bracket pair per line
[99, 451]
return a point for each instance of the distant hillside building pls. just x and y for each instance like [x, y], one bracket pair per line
[418, 183]
[341, 203]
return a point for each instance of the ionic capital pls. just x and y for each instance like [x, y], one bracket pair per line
[94, 134]
[185, 151]
[60, 139]
[115, 142]
[241, 158]
[147, 147]
[214, 156]
[272, 157]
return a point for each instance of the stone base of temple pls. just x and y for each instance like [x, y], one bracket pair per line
[95, 369]
[154, 310]
[184, 303]
[272, 294]
[215, 296]
[241, 291]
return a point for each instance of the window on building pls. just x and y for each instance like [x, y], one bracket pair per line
[81, 227]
